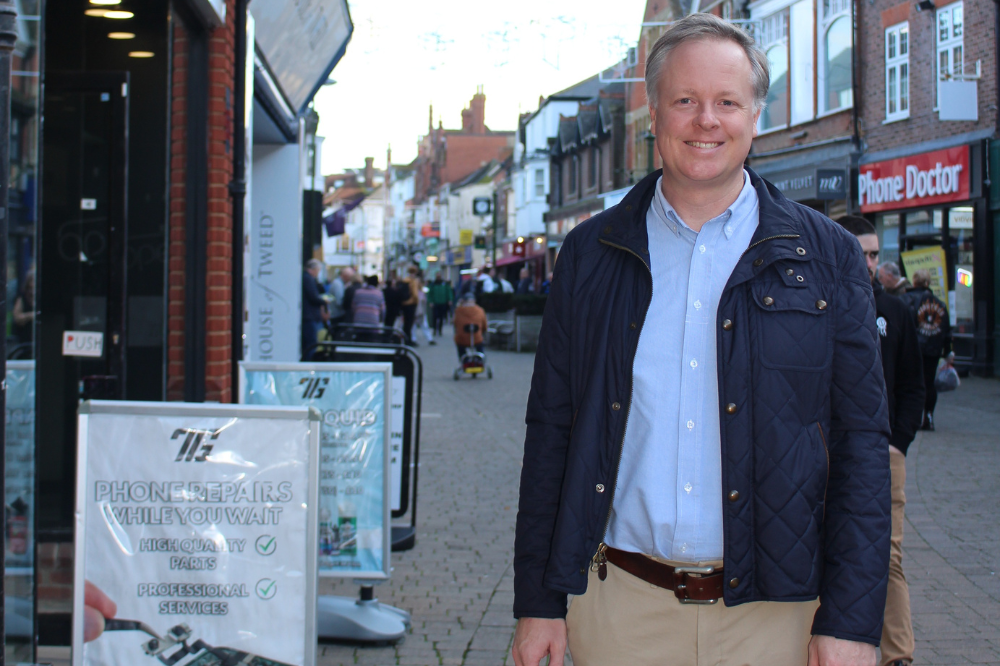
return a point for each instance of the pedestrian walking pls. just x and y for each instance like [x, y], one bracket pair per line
[422, 308]
[485, 284]
[368, 304]
[707, 418]
[393, 291]
[440, 296]
[410, 286]
[356, 282]
[338, 287]
[933, 334]
[314, 311]
[525, 285]
[894, 283]
[904, 383]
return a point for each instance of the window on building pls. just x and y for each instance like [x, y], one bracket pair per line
[950, 46]
[774, 41]
[837, 43]
[539, 183]
[573, 164]
[592, 167]
[897, 72]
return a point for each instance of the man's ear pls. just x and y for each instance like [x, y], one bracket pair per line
[756, 118]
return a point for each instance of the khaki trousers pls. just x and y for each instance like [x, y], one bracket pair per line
[897, 628]
[625, 620]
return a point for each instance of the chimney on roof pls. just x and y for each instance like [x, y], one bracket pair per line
[430, 120]
[478, 108]
[369, 172]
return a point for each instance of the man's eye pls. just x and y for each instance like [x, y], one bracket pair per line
[727, 102]
[684, 100]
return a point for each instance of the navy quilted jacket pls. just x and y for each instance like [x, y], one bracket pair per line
[803, 410]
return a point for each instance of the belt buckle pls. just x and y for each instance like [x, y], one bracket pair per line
[680, 587]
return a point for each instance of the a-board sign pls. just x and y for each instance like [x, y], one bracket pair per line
[198, 522]
[354, 489]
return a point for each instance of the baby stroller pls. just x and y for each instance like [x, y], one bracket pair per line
[473, 360]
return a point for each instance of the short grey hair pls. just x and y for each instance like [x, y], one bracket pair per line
[314, 263]
[890, 267]
[707, 26]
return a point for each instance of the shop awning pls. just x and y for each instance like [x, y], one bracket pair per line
[300, 42]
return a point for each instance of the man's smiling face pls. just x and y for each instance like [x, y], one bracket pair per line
[704, 119]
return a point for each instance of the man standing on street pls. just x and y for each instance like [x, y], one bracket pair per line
[707, 418]
[894, 283]
[933, 334]
[338, 286]
[904, 382]
[314, 311]
[440, 296]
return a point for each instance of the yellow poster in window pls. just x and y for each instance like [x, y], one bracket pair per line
[931, 258]
[465, 236]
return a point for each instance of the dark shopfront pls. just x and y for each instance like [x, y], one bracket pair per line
[930, 210]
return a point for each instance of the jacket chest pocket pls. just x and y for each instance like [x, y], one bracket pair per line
[792, 326]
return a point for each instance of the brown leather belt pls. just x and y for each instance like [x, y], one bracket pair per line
[692, 584]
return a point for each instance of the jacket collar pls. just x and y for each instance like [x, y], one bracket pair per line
[627, 228]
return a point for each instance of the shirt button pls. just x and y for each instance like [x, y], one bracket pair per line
[697, 305]
[684, 548]
[633, 326]
[702, 249]
[688, 487]
[600, 487]
[727, 324]
[734, 583]
[690, 425]
[734, 495]
[616, 406]
[694, 363]
[731, 408]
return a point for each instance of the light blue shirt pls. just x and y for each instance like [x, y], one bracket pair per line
[668, 499]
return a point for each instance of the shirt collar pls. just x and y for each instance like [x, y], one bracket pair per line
[731, 218]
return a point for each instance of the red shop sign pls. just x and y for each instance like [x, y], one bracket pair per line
[918, 180]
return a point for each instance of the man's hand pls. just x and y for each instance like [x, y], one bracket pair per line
[830, 651]
[536, 637]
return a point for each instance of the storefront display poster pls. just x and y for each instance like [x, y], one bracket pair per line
[355, 494]
[19, 491]
[933, 259]
[196, 535]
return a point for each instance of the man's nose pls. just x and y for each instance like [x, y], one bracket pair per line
[707, 119]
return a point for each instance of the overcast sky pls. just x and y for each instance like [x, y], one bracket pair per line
[406, 54]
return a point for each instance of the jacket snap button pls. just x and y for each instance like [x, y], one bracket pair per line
[789, 271]
[801, 251]
[800, 278]
[600, 487]
[734, 583]
[607, 229]
[731, 408]
[727, 324]
[821, 304]
[758, 262]
[768, 300]
[616, 406]
[734, 495]
[632, 326]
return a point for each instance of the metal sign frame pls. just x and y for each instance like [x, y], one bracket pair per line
[179, 409]
[375, 368]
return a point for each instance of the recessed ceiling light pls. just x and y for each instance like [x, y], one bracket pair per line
[141, 54]
[105, 2]
[116, 14]
[121, 35]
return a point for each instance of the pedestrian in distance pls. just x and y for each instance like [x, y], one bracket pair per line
[393, 291]
[422, 308]
[356, 281]
[440, 296]
[525, 285]
[467, 313]
[410, 294]
[894, 283]
[722, 438]
[485, 284]
[933, 333]
[338, 287]
[546, 284]
[368, 303]
[904, 382]
[314, 312]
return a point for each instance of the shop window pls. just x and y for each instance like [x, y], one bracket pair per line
[774, 41]
[573, 168]
[595, 155]
[539, 183]
[950, 43]
[897, 72]
[887, 227]
[837, 44]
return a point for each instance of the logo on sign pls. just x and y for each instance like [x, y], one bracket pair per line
[194, 443]
[314, 387]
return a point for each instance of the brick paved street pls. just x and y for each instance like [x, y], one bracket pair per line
[457, 582]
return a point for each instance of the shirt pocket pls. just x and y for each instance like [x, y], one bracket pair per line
[792, 326]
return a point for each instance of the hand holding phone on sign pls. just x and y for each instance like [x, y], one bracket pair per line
[97, 608]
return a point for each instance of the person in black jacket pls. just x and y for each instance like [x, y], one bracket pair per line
[933, 333]
[902, 366]
[314, 311]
